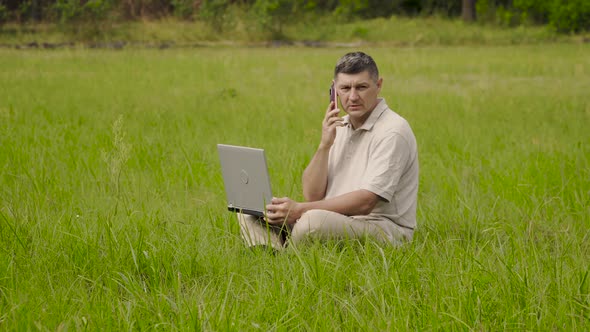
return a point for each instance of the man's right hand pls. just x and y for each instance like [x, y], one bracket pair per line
[315, 176]
[329, 125]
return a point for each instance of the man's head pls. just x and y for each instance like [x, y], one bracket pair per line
[357, 62]
[357, 83]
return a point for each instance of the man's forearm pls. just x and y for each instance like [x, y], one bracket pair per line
[315, 176]
[359, 202]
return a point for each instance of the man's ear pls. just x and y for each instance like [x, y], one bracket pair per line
[379, 84]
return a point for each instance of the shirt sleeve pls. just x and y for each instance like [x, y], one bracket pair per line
[387, 161]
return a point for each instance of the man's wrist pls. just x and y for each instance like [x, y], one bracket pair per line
[303, 207]
[324, 147]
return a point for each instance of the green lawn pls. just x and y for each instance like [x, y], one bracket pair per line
[112, 211]
[240, 29]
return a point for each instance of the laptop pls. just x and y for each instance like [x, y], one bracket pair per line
[246, 179]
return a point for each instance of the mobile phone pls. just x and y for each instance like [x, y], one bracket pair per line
[332, 94]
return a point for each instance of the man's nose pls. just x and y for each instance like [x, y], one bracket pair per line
[353, 94]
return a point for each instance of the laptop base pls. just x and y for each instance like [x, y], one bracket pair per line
[246, 211]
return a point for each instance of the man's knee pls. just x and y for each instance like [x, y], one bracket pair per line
[310, 224]
[255, 231]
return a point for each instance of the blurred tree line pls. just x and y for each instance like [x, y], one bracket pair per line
[562, 15]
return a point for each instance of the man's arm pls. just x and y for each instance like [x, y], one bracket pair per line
[315, 176]
[354, 203]
[286, 210]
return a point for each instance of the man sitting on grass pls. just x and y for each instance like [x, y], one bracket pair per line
[362, 180]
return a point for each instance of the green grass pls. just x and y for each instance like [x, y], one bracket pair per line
[112, 212]
[240, 29]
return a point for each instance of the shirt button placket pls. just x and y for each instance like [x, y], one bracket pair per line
[351, 146]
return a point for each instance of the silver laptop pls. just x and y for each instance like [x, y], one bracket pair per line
[246, 179]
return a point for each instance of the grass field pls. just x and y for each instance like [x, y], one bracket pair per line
[239, 30]
[112, 211]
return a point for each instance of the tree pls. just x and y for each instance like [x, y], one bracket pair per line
[468, 10]
[273, 14]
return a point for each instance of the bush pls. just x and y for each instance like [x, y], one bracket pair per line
[74, 11]
[24, 12]
[570, 16]
[213, 12]
[183, 8]
[380, 8]
[272, 15]
[3, 14]
[133, 9]
[87, 20]
[563, 15]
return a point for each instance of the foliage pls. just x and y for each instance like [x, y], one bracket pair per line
[533, 10]
[183, 8]
[26, 11]
[85, 20]
[570, 16]
[3, 14]
[273, 16]
[379, 8]
[134, 9]
[562, 15]
[213, 12]
[68, 11]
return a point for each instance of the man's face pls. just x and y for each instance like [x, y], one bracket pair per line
[358, 95]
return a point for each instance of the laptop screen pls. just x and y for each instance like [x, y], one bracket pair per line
[246, 179]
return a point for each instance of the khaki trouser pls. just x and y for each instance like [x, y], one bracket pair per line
[323, 225]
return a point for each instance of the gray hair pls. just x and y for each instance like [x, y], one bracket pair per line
[357, 62]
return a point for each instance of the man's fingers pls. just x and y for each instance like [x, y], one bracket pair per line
[331, 107]
[275, 221]
[333, 119]
[279, 200]
[275, 218]
[275, 210]
[271, 214]
[332, 113]
[337, 121]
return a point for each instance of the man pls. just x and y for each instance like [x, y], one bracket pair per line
[362, 180]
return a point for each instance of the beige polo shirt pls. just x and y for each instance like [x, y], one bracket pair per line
[381, 156]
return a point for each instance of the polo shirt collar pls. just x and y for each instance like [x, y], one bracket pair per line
[373, 117]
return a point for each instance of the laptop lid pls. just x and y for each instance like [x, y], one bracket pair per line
[246, 179]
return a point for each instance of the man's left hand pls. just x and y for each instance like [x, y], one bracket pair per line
[283, 211]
